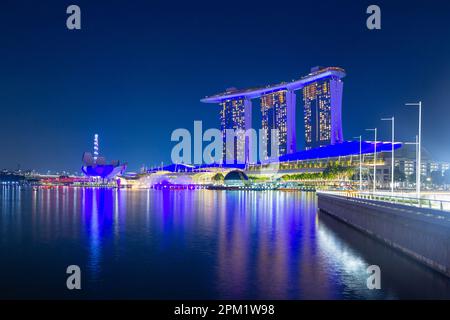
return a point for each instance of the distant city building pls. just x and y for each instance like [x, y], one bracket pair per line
[405, 161]
[408, 166]
[322, 101]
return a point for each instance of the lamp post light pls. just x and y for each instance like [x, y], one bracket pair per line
[360, 163]
[374, 159]
[417, 159]
[419, 151]
[392, 119]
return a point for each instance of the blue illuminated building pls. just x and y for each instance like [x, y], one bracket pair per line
[322, 105]
[278, 112]
[342, 149]
[96, 166]
[236, 114]
[322, 96]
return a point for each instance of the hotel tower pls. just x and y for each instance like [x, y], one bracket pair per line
[278, 112]
[322, 105]
[236, 114]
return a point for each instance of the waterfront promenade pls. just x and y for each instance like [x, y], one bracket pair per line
[420, 228]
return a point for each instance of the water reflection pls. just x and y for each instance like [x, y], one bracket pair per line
[194, 244]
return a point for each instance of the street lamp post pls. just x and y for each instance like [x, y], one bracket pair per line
[374, 159]
[360, 163]
[392, 119]
[419, 151]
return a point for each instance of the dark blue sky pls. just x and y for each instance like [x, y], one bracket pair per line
[137, 70]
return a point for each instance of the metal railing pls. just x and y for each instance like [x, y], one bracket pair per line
[441, 205]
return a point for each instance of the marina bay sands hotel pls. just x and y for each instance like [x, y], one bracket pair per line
[322, 105]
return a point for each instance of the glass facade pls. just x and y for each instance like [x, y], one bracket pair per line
[322, 109]
[274, 116]
[233, 116]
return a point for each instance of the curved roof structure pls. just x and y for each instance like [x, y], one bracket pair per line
[174, 167]
[236, 175]
[342, 149]
[103, 171]
[99, 168]
[252, 93]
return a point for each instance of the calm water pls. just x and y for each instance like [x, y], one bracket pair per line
[193, 244]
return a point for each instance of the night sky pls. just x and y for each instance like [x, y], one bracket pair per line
[138, 69]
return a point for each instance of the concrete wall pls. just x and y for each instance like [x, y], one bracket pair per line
[423, 234]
